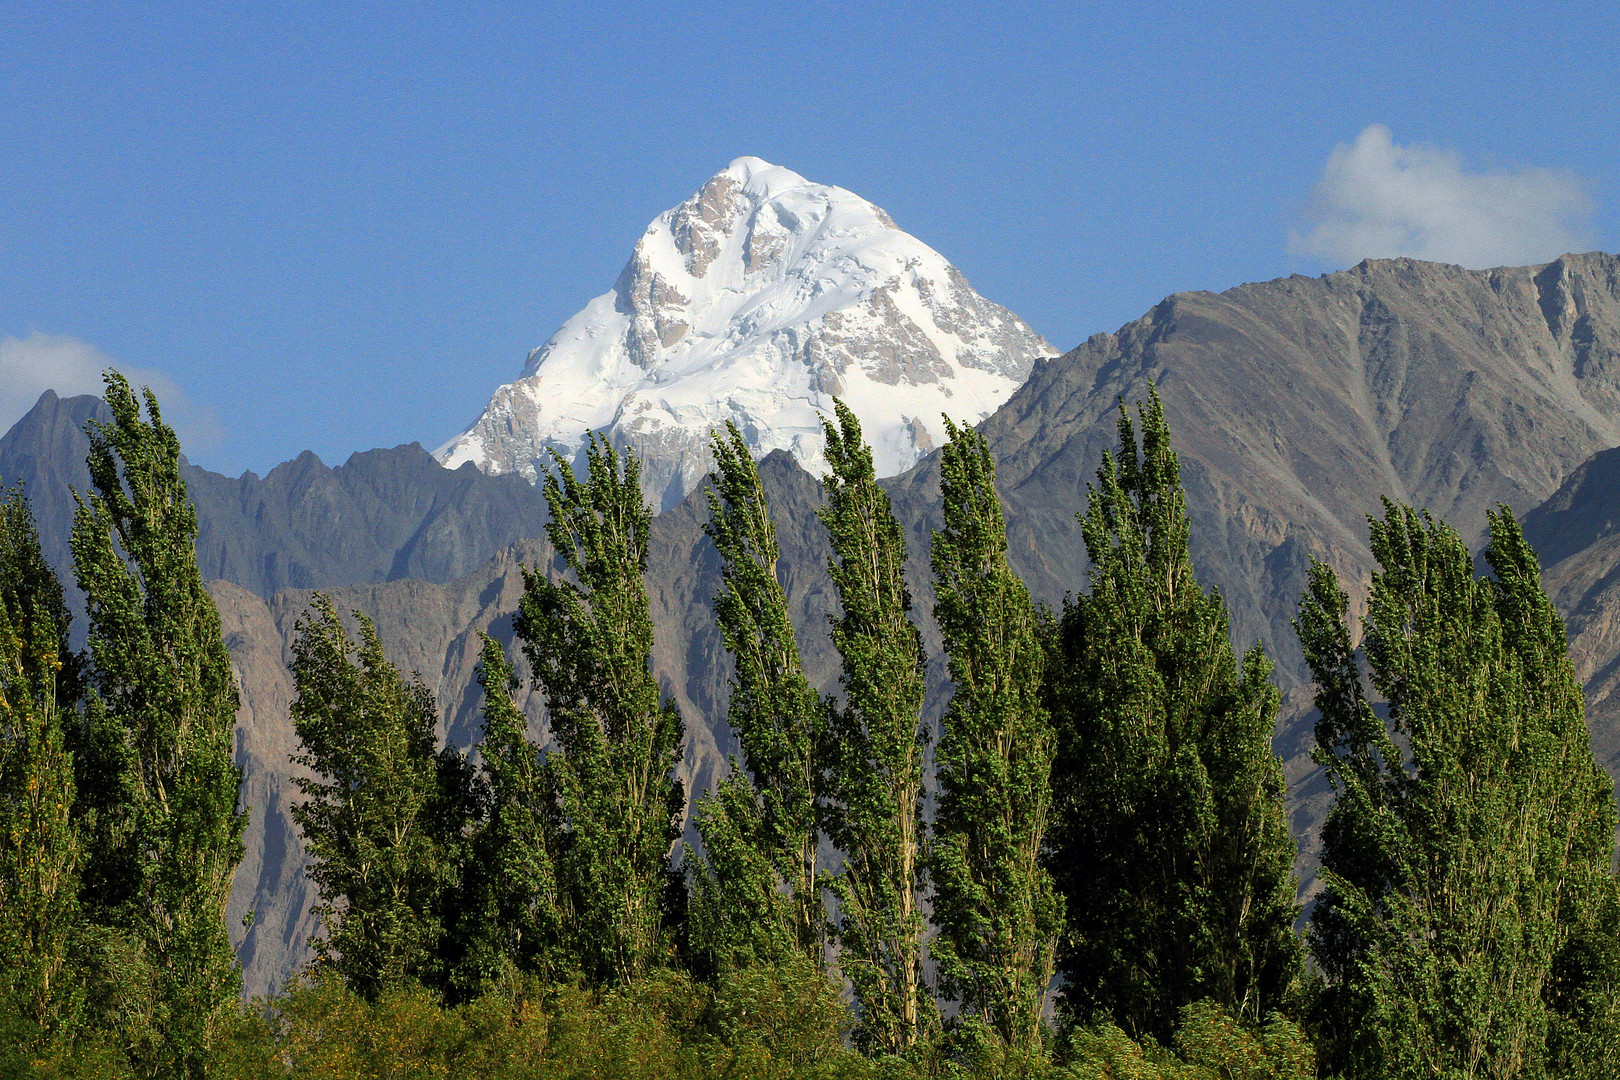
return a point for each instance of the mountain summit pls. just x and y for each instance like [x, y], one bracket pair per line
[758, 300]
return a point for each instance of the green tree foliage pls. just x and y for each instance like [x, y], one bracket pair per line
[874, 786]
[738, 915]
[372, 818]
[39, 847]
[997, 911]
[589, 642]
[757, 895]
[761, 1023]
[506, 917]
[157, 784]
[758, 1023]
[1170, 845]
[1471, 835]
[1583, 992]
[1209, 1045]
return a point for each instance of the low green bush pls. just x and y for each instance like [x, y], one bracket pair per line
[763, 1023]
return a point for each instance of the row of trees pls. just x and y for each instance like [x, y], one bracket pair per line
[1107, 805]
[1166, 843]
[1108, 809]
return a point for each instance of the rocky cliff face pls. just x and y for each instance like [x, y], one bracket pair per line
[758, 300]
[45, 452]
[382, 515]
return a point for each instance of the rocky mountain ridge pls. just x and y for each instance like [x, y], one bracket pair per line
[380, 516]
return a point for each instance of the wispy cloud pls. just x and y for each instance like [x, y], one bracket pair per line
[1379, 199]
[31, 365]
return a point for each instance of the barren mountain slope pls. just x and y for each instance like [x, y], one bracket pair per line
[1297, 404]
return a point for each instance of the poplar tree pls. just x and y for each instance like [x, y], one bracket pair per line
[39, 846]
[589, 643]
[371, 818]
[507, 916]
[1170, 844]
[158, 789]
[738, 914]
[1471, 836]
[757, 895]
[874, 787]
[994, 903]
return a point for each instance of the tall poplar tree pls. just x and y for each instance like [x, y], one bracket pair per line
[371, 818]
[757, 893]
[1169, 844]
[589, 642]
[1471, 836]
[738, 914]
[994, 903]
[39, 846]
[507, 917]
[157, 784]
[874, 787]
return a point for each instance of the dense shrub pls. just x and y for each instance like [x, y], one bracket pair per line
[757, 1024]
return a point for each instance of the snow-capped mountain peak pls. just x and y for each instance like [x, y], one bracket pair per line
[758, 300]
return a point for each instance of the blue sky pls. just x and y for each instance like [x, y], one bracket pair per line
[337, 226]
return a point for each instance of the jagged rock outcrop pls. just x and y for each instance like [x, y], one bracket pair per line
[383, 515]
[45, 453]
[1297, 404]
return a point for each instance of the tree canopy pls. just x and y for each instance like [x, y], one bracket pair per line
[1170, 843]
[1472, 834]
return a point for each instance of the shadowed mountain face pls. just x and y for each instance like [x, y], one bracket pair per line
[1295, 405]
[381, 516]
[1577, 535]
[45, 452]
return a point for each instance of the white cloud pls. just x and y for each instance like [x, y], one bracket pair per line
[31, 365]
[1377, 199]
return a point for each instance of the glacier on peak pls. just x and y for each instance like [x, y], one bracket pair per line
[758, 300]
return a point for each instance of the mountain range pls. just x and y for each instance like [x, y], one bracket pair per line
[1296, 405]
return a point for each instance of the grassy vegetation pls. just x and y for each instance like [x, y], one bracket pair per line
[758, 1024]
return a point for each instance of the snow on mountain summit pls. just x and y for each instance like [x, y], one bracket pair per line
[758, 300]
